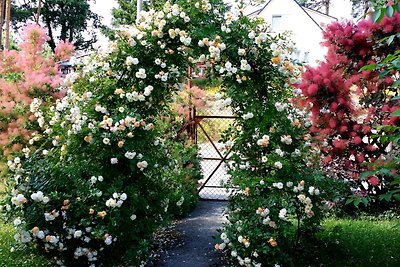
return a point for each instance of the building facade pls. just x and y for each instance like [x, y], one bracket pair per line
[305, 25]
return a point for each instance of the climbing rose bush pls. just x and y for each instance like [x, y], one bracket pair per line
[93, 185]
[272, 167]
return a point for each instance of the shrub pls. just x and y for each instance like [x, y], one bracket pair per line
[24, 75]
[383, 173]
[273, 170]
[346, 102]
[99, 178]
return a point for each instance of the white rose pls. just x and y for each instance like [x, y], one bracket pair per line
[78, 234]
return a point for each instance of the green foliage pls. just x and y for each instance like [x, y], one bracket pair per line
[125, 13]
[183, 171]
[386, 169]
[388, 11]
[71, 19]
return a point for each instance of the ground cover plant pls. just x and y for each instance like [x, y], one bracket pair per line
[357, 242]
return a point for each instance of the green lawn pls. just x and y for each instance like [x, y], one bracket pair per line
[359, 243]
[18, 258]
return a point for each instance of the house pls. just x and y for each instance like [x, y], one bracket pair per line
[306, 27]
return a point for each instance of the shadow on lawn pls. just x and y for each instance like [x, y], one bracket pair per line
[355, 243]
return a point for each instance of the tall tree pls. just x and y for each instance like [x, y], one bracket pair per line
[125, 13]
[67, 20]
[362, 7]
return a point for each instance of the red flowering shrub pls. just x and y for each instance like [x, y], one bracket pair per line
[190, 97]
[24, 75]
[346, 103]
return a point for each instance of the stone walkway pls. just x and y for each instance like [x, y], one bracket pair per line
[196, 238]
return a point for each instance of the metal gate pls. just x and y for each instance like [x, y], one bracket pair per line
[214, 155]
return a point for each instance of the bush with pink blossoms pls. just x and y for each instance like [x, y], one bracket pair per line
[26, 74]
[347, 102]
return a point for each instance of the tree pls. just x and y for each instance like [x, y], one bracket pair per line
[24, 75]
[360, 8]
[317, 4]
[71, 18]
[125, 13]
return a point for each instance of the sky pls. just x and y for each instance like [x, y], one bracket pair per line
[339, 9]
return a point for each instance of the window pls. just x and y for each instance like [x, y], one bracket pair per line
[296, 55]
[306, 58]
[276, 22]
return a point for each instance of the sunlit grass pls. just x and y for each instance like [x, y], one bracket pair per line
[19, 257]
[359, 243]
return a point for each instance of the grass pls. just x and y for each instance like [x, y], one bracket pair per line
[358, 243]
[20, 257]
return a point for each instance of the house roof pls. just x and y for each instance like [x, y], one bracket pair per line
[259, 11]
[319, 12]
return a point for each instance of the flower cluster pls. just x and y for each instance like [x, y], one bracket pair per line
[116, 200]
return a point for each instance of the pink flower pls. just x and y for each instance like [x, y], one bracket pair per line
[373, 180]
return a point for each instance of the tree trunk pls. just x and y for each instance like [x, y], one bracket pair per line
[51, 42]
[2, 2]
[38, 11]
[327, 6]
[7, 31]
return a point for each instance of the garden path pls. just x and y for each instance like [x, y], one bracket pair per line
[196, 234]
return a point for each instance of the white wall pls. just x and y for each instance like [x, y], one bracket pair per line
[306, 34]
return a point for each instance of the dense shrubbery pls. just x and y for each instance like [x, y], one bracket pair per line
[24, 75]
[348, 103]
[385, 170]
[273, 169]
[101, 176]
